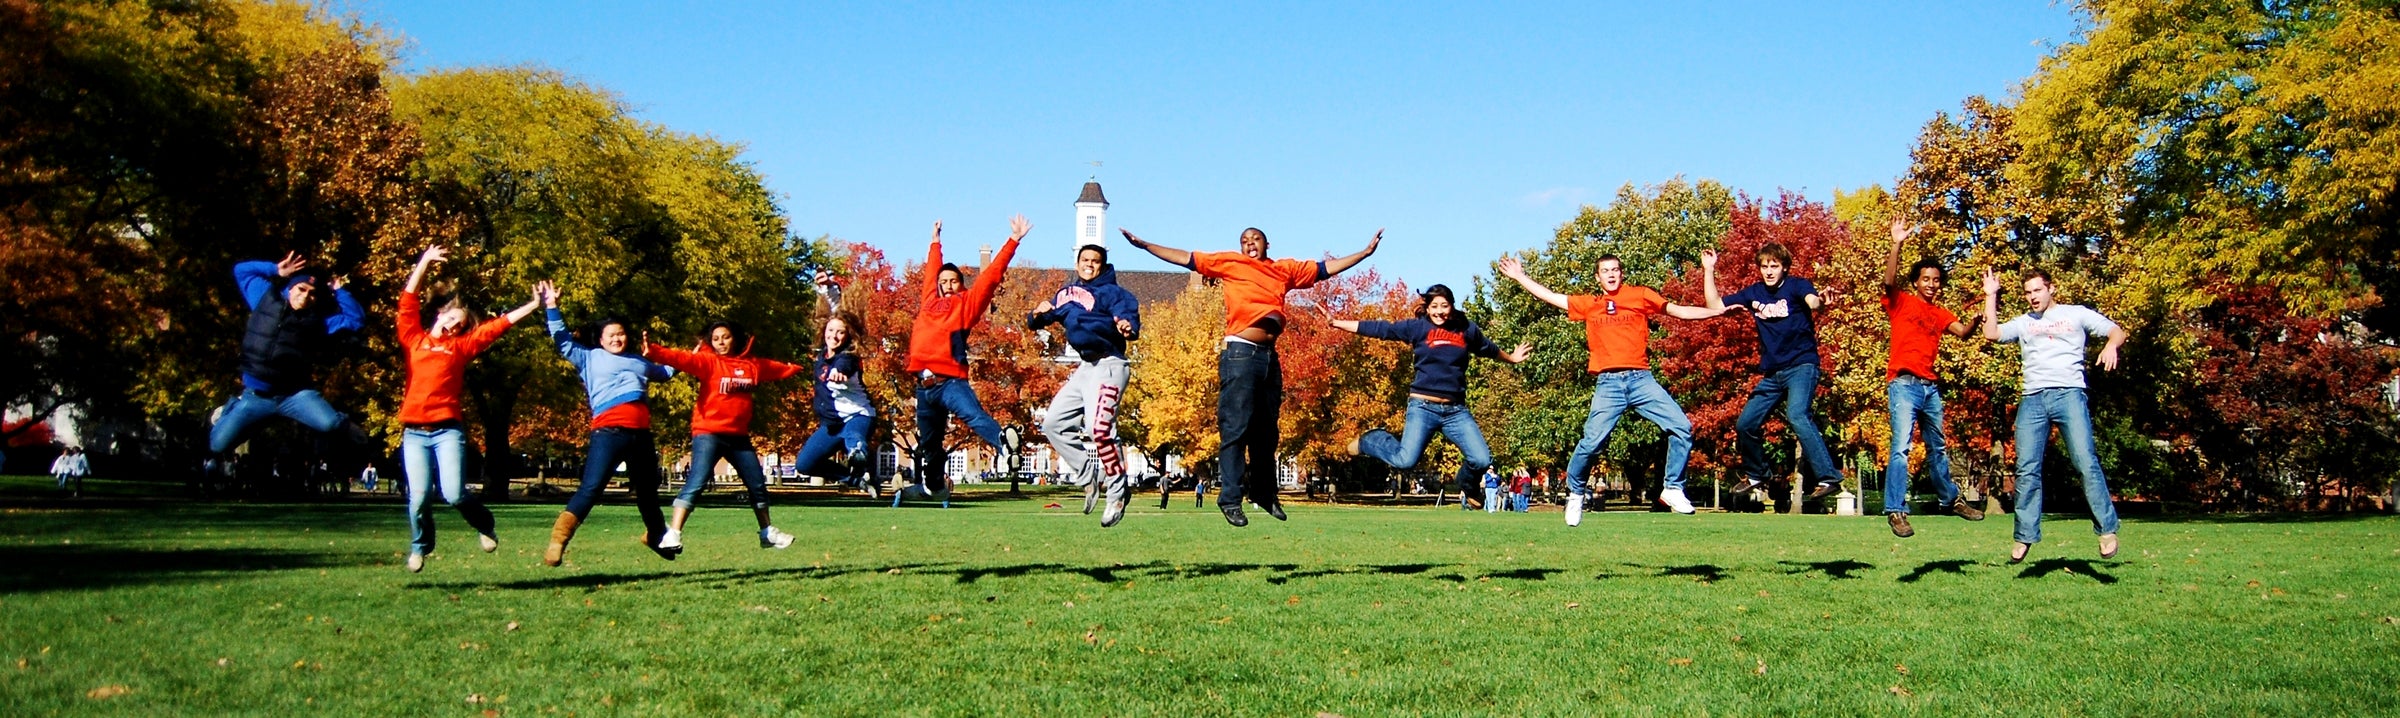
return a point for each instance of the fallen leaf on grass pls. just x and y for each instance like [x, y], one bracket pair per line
[1761, 670]
[491, 713]
[1762, 594]
[935, 618]
[1229, 619]
[474, 698]
[1679, 662]
[1902, 668]
[2252, 584]
[1051, 506]
[106, 692]
[1901, 691]
[221, 663]
[1294, 600]
[1090, 637]
[1325, 714]
[1572, 604]
[2386, 619]
[512, 625]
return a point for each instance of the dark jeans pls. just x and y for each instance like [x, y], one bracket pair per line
[1249, 405]
[935, 404]
[735, 449]
[640, 453]
[821, 445]
[1794, 387]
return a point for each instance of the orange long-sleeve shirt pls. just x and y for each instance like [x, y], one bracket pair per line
[937, 340]
[437, 366]
[726, 383]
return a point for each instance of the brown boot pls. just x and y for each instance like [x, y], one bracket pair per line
[1965, 510]
[560, 533]
[1900, 525]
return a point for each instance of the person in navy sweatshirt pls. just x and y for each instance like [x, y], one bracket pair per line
[1099, 318]
[292, 325]
[616, 382]
[1785, 308]
[1443, 341]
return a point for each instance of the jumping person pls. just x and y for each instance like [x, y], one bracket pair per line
[1912, 388]
[1099, 318]
[433, 439]
[844, 413]
[2050, 340]
[1784, 308]
[1249, 376]
[616, 383]
[287, 333]
[937, 355]
[1616, 330]
[1442, 340]
[726, 376]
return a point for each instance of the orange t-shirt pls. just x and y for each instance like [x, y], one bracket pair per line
[437, 367]
[1254, 288]
[1916, 334]
[1616, 326]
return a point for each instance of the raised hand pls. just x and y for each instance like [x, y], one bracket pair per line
[1377, 241]
[1511, 268]
[1991, 282]
[547, 291]
[1900, 230]
[937, 230]
[292, 264]
[433, 255]
[338, 281]
[1708, 259]
[1017, 227]
[1133, 240]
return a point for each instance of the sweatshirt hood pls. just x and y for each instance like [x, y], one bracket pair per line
[1107, 278]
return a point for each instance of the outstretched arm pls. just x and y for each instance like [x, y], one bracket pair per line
[1965, 327]
[1680, 311]
[1338, 265]
[1513, 269]
[1173, 256]
[1991, 305]
[416, 277]
[932, 283]
[1892, 281]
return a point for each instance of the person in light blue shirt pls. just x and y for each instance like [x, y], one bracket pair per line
[2051, 338]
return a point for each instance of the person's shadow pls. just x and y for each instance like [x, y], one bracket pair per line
[2076, 566]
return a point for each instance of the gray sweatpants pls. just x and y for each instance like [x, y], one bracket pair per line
[1082, 422]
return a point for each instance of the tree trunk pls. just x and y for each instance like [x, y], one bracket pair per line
[498, 411]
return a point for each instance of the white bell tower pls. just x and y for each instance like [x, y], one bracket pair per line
[1091, 218]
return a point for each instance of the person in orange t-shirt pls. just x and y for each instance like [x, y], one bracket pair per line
[1912, 388]
[433, 439]
[1616, 327]
[1249, 376]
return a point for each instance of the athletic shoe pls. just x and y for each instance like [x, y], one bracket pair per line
[1748, 485]
[490, 543]
[1966, 511]
[1824, 489]
[2108, 545]
[1114, 513]
[1674, 499]
[655, 541]
[1575, 510]
[673, 540]
[1900, 527]
[1091, 496]
[1233, 515]
[1274, 507]
[771, 537]
[416, 562]
[869, 485]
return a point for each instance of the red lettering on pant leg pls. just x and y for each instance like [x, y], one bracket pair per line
[1104, 433]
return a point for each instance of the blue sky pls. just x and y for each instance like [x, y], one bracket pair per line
[1466, 131]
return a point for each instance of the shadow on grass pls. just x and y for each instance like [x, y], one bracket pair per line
[1836, 570]
[2073, 566]
[1702, 572]
[2265, 518]
[1276, 573]
[33, 569]
[1956, 566]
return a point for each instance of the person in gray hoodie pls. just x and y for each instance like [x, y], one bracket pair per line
[1099, 319]
[616, 382]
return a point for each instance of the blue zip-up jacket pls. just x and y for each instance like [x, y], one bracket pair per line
[280, 346]
[609, 379]
[1092, 329]
[1442, 352]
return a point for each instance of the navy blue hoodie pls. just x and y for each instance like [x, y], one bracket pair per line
[1090, 311]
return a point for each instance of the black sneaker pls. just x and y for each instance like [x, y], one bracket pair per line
[1233, 515]
[1825, 489]
[1273, 508]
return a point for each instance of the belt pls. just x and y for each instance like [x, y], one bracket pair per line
[928, 381]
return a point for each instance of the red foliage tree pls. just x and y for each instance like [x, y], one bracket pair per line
[2291, 410]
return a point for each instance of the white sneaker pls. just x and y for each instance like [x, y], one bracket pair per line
[673, 540]
[416, 562]
[1575, 510]
[771, 537]
[489, 544]
[1675, 500]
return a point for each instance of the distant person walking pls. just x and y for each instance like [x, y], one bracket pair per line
[71, 466]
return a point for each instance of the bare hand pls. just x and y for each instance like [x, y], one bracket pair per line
[1900, 230]
[292, 264]
[1017, 227]
[937, 230]
[2108, 358]
[1524, 349]
[1708, 259]
[1133, 240]
[547, 291]
[825, 279]
[1511, 268]
[1991, 282]
[1044, 307]
[338, 282]
[836, 376]
[1124, 328]
[433, 255]
[1377, 241]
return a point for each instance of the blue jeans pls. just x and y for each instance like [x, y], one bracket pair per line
[821, 445]
[639, 451]
[1491, 499]
[1912, 397]
[435, 457]
[1519, 503]
[1249, 408]
[1423, 418]
[247, 411]
[1795, 387]
[735, 449]
[1615, 392]
[935, 405]
[2071, 411]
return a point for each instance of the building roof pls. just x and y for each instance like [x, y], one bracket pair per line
[1154, 288]
[1091, 193]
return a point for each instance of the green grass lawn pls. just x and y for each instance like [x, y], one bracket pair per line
[1002, 607]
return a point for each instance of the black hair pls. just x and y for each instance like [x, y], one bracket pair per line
[1609, 258]
[593, 330]
[1426, 297]
[741, 337]
[952, 268]
[1918, 270]
[1101, 248]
